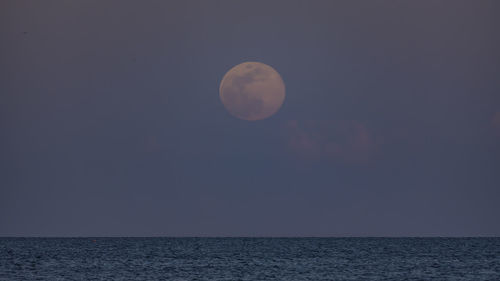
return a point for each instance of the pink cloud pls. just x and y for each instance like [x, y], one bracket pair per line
[347, 141]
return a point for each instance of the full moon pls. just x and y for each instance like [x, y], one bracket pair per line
[252, 91]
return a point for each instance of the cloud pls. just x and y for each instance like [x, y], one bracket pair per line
[346, 141]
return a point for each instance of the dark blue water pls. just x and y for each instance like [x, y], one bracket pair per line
[249, 259]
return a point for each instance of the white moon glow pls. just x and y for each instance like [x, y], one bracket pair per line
[252, 91]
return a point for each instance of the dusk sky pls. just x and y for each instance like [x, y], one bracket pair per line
[111, 122]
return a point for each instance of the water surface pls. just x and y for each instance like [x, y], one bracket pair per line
[249, 258]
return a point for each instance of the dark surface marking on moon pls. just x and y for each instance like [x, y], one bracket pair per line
[242, 80]
[247, 105]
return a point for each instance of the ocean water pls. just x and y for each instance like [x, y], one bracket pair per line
[250, 259]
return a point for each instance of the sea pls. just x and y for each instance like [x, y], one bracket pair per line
[249, 259]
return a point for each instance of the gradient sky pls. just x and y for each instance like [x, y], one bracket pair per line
[111, 122]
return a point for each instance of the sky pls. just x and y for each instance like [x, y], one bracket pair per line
[111, 122]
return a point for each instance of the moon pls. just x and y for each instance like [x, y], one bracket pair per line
[252, 91]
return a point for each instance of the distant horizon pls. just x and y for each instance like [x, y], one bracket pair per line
[257, 237]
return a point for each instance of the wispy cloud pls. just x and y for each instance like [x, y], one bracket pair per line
[346, 141]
